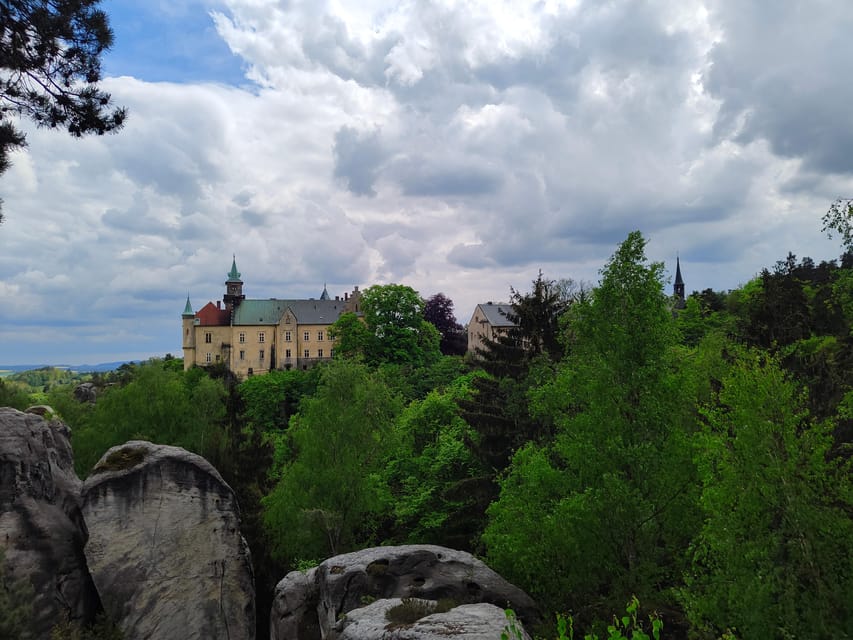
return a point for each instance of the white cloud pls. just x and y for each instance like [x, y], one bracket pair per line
[455, 146]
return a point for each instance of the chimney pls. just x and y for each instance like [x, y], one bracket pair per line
[219, 304]
[346, 297]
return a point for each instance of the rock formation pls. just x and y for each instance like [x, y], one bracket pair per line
[41, 528]
[165, 548]
[465, 622]
[321, 597]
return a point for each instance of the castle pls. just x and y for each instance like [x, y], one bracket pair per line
[255, 336]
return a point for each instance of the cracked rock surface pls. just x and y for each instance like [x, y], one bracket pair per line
[321, 598]
[41, 529]
[465, 622]
[165, 548]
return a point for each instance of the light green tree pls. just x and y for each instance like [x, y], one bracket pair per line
[773, 556]
[607, 509]
[429, 467]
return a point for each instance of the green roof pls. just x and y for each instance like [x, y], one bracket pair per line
[188, 308]
[270, 311]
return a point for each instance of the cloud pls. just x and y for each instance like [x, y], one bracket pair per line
[455, 146]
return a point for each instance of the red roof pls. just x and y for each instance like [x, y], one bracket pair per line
[212, 316]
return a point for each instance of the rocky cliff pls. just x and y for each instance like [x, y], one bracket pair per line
[165, 548]
[41, 527]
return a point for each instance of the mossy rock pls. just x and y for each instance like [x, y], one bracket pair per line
[124, 458]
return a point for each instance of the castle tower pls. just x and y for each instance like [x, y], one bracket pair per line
[233, 288]
[678, 286]
[188, 328]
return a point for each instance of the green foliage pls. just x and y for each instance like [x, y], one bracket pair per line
[398, 333]
[604, 510]
[839, 220]
[626, 627]
[271, 399]
[16, 609]
[159, 405]
[330, 496]
[771, 558]
[426, 469]
[13, 395]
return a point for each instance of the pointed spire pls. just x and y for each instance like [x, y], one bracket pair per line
[325, 294]
[188, 308]
[678, 279]
[233, 275]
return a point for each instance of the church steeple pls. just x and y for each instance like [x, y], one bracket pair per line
[325, 294]
[233, 287]
[678, 286]
[188, 309]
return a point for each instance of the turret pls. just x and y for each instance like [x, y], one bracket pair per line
[233, 288]
[188, 328]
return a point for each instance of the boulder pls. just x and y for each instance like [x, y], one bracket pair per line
[41, 527]
[165, 548]
[294, 607]
[466, 622]
[346, 582]
[86, 392]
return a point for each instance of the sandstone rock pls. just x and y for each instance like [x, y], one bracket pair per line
[347, 582]
[86, 392]
[466, 622]
[294, 608]
[41, 527]
[165, 548]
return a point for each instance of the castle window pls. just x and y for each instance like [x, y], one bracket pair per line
[208, 337]
[217, 357]
[242, 354]
[260, 336]
[287, 353]
[306, 336]
[319, 353]
[287, 336]
[207, 358]
[261, 354]
[320, 336]
[242, 337]
[305, 354]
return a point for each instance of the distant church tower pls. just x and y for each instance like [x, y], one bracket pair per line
[678, 287]
[233, 288]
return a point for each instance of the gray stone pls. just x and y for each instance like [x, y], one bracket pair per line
[294, 608]
[41, 526]
[165, 548]
[467, 622]
[347, 582]
[86, 392]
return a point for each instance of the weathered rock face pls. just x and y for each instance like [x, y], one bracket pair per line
[41, 527]
[344, 583]
[465, 622]
[165, 548]
[86, 392]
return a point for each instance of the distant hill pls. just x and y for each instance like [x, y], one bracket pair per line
[7, 369]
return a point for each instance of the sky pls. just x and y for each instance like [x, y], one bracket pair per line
[456, 147]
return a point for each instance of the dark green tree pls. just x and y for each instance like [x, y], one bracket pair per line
[50, 64]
